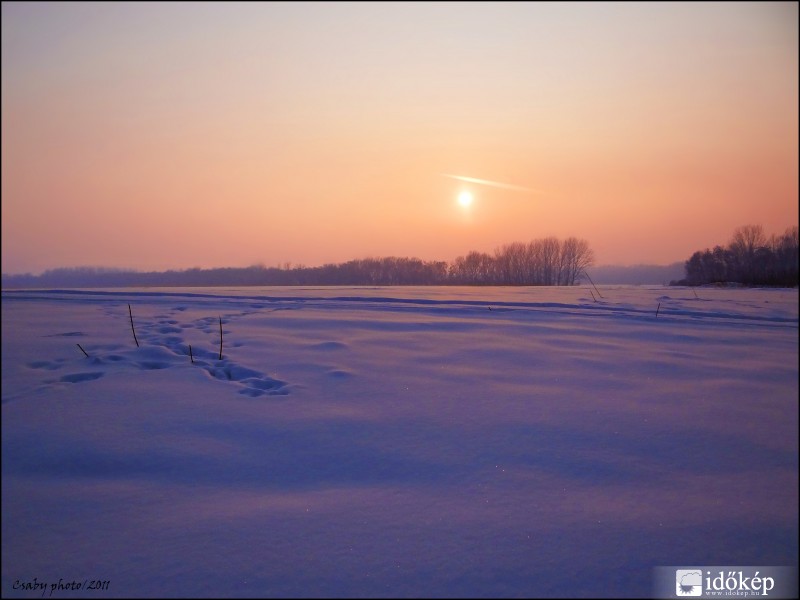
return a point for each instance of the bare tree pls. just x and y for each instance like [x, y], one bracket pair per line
[474, 268]
[576, 256]
[746, 241]
[551, 254]
[511, 262]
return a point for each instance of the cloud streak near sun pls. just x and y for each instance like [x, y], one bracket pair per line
[497, 184]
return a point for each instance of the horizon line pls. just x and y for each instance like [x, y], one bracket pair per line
[132, 270]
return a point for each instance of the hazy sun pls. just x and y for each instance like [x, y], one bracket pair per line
[465, 199]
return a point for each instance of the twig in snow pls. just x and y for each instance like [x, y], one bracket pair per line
[220, 337]
[592, 293]
[592, 282]
[658, 309]
[82, 350]
[132, 329]
[191, 357]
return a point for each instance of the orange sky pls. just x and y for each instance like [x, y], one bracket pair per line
[168, 136]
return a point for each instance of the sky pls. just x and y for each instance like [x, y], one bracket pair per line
[159, 136]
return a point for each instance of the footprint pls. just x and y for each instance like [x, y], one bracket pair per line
[45, 364]
[277, 388]
[255, 383]
[330, 346]
[152, 365]
[265, 384]
[339, 374]
[79, 377]
[68, 334]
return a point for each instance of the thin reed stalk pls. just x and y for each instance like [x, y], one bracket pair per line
[130, 314]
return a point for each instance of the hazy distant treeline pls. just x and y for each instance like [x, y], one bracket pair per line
[637, 274]
[749, 259]
[541, 262]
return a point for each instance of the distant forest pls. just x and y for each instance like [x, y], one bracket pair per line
[749, 259]
[548, 261]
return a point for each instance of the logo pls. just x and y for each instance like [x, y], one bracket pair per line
[689, 582]
[725, 582]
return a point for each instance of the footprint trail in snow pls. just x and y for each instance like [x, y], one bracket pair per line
[164, 343]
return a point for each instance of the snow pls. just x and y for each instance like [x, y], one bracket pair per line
[395, 442]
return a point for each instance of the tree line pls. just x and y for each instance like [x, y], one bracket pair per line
[546, 261]
[750, 258]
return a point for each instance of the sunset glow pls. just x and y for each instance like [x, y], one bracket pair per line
[465, 199]
[162, 136]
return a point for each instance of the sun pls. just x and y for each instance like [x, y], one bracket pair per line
[465, 199]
